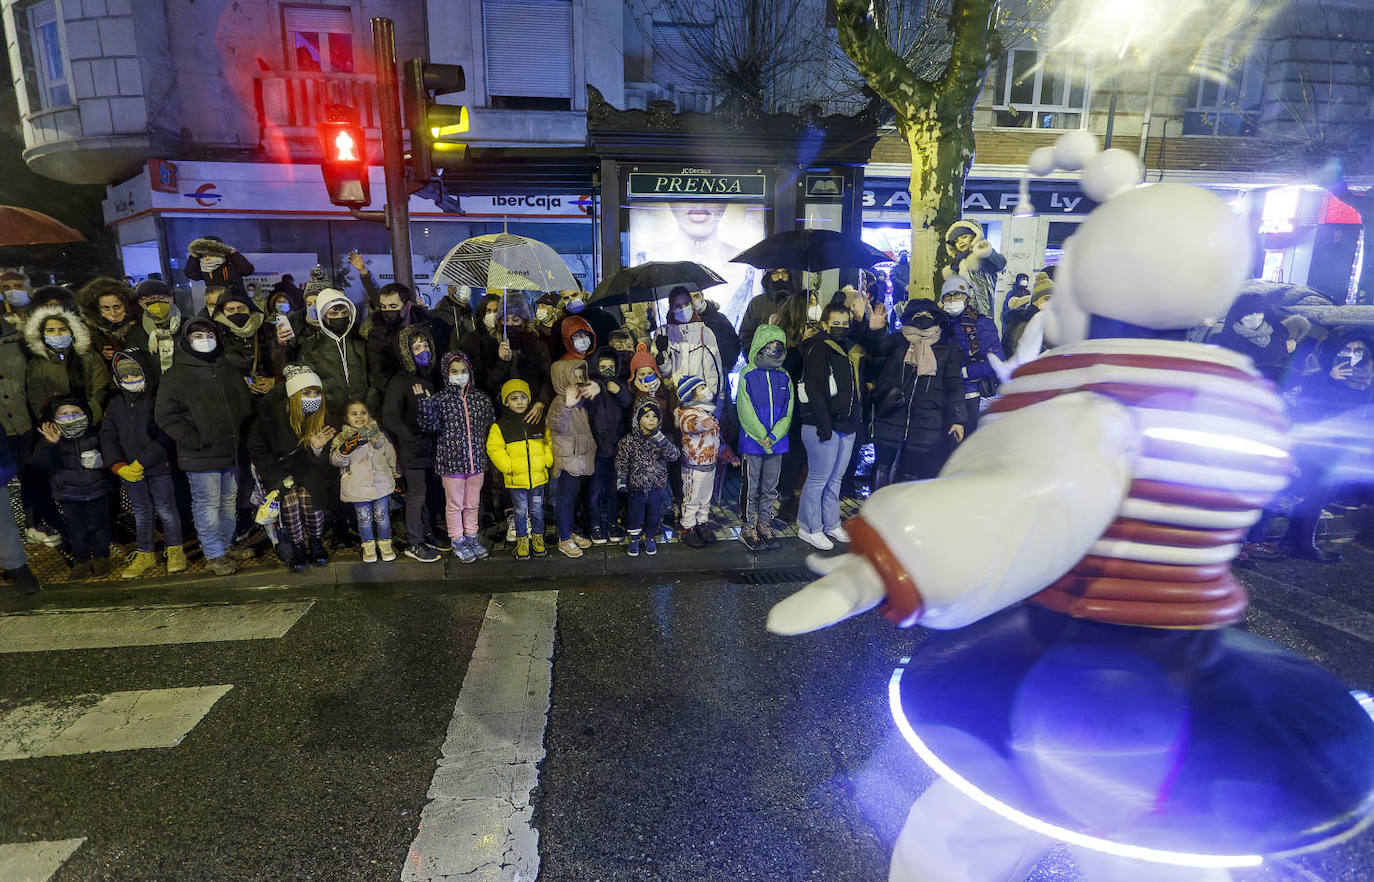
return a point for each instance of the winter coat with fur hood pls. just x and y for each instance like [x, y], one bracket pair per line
[401, 407]
[340, 360]
[202, 404]
[230, 273]
[459, 420]
[574, 445]
[368, 463]
[980, 266]
[79, 370]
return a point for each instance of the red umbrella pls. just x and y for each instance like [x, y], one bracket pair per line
[24, 226]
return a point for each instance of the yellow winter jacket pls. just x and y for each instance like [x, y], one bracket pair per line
[524, 462]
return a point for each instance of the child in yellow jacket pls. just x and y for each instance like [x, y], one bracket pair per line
[523, 453]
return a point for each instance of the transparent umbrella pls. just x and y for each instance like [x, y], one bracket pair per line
[504, 260]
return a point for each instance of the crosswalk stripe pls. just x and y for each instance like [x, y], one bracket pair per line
[35, 861]
[100, 628]
[477, 824]
[111, 722]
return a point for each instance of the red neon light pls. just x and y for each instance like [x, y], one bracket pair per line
[345, 148]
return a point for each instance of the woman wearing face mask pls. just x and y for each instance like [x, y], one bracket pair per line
[459, 416]
[111, 313]
[918, 400]
[213, 262]
[62, 362]
[202, 405]
[288, 444]
[976, 336]
[688, 348]
[830, 406]
[418, 379]
[482, 343]
[1252, 329]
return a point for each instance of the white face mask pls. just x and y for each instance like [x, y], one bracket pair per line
[459, 380]
[954, 308]
[581, 343]
[463, 293]
[210, 264]
[1355, 355]
[813, 313]
[1252, 321]
[490, 321]
[204, 344]
[683, 315]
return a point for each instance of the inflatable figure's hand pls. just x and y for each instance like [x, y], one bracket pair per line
[1027, 348]
[849, 585]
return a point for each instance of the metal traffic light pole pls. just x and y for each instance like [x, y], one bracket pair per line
[397, 208]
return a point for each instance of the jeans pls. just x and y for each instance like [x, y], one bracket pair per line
[462, 496]
[604, 501]
[529, 510]
[376, 512]
[420, 492]
[565, 503]
[826, 463]
[154, 494]
[761, 472]
[12, 555]
[646, 512]
[214, 498]
[697, 486]
[88, 527]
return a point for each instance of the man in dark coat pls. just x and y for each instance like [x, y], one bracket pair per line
[417, 379]
[339, 356]
[727, 339]
[777, 288]
[212, 261]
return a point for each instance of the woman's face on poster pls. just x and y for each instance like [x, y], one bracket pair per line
[698, 219]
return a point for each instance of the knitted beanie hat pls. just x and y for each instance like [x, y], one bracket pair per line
[153, 288]
[642, 358]
[956, 285]
[510, 387]
[318, 281]
[687, 385]
[1043, 284]
[300, 376]
[643, 405]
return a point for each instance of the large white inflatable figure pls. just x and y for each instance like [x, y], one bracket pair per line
[1083, 683]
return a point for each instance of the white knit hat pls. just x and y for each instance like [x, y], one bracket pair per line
[298, 377]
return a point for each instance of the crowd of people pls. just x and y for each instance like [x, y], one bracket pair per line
[295, 409]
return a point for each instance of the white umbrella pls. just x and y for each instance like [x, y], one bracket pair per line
[503, 260]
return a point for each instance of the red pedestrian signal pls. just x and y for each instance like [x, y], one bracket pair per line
[345, 158]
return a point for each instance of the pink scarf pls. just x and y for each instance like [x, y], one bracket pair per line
[919, 350]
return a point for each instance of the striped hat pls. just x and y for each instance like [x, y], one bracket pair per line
[687, 385]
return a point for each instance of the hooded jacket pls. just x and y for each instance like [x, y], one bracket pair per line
[693, 351]
[401, 407]
[574, 446]
[642, 460]
[981, 266]
[340, 360]
[230, 273]
[368, 464]
[380, 336]
[14, 398]
[914, 411]
[765, 400]
[202, 405]
[460, 420]
[69, 478]
[569, 325]
[1321, 396]
[129, 432]
[521, 452]
[829, 394]
[77, 371]
[1267, 346]
[607, 411]
[601, 321]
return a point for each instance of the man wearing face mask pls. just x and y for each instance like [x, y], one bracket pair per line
[310, 317]
[394, 307]
[202, 404]
[250, 342]
[213, 262]
[976, 336]
[339, 356]
[158, 325]
[455, 310]
[1252, 329]
[547, 312]
[17, 294]
[778, 287]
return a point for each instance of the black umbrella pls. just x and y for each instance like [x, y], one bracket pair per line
[812, 251]
[651, 281]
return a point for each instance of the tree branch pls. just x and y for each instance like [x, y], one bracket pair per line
[969, 24]
[886, 71]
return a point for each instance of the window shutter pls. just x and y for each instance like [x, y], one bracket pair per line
[678, 59]
[528, 48]
[318, 19]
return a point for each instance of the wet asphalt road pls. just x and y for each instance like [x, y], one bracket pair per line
[683, 741]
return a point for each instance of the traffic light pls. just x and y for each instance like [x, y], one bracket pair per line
[345, 157]
[431, 123]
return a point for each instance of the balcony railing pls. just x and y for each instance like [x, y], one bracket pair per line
[640, 95]
[292, 103]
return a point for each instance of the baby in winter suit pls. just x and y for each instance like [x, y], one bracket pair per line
[696, 420]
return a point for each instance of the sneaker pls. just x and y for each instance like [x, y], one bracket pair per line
[750, 537]
[767, 537]
[100, 567]
[632, 545]
[176, 559]
[570, 548]
[537, 546]
[52, 540]
[650, 547]
[616, 533]
[815, 540]
[478, 549]
[510, 530]
[220, 566]
[691, 538]
[423, 553]
[385, 549]
[707, 532]
[140, 562]
[522, 548]
[241, 552]
[23, 578]
[582, 541]
[80, 571]
[838, 534]
[370, 552]
[463, 551]
[598, 536]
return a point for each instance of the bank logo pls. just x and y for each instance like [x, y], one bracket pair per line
[205, 195]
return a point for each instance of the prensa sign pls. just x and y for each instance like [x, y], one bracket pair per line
[696, 184]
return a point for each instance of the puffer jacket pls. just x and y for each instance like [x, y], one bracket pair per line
[368, 463]
[340, 360]
[14, 399]
[830, 395]
[70, 480]
[574, 445]
[607, 411]
[522, 453]
[401, 406]
[916, 412]
[700, 435]
[459, 419]
[202, 406]
[643, 462]
[129, 433]
[79, 370]
[693, 351]
[765, 399]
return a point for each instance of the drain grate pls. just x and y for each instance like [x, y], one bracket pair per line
[775, 577]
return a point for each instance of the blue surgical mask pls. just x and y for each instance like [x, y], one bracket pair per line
[576, 305]
[422, 359]
[311, 315]
[58, 342]
[17, 298]
[283, 307]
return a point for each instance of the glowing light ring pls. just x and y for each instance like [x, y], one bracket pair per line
[1072, 837]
